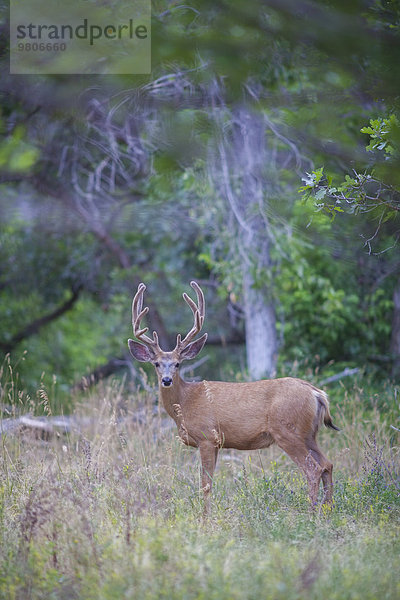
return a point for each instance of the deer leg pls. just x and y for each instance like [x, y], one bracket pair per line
[307, 460]
[208, 456]
[327, 468]
[328, 483]
[313, 472]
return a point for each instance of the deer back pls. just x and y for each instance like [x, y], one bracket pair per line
[251, 415]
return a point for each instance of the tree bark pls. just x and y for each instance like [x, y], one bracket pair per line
[260, 324]
[239, 169]
[251, 152]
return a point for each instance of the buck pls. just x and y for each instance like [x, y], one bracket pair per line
[211, 415]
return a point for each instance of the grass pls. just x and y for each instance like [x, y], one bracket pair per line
[116, 513]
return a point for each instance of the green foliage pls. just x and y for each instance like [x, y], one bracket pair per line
[74, 345]
[384, 134]
[325, 313]
[107, 184]
[376, 190]
[17, 154]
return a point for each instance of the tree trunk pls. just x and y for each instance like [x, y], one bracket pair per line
[260, 325]
[250, 146]
[242, 170]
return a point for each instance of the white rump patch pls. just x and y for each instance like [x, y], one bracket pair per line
[322, 406]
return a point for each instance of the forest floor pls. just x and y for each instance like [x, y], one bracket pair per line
[114, 511]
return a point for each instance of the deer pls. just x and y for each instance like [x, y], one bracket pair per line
[212, 415]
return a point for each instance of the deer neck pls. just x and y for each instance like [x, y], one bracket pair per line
[171, 396]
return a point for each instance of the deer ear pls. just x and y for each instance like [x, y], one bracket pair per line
[139, 351]
[194, 348]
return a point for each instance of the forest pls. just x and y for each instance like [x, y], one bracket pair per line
[261, 159]
[221, 167]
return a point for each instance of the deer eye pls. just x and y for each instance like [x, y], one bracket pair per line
[177, 365]
[156, 364]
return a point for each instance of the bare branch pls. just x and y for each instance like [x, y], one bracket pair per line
[345, 373]
[36, 325]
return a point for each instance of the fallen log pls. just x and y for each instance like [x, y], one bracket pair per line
[46, 427]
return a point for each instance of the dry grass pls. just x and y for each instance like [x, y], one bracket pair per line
[114, 511]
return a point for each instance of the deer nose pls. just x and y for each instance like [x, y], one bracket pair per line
[166, 381]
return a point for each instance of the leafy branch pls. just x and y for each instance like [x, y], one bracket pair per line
[364, 191]
[361, 193]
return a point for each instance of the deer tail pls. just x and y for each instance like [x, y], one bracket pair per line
[323, 409]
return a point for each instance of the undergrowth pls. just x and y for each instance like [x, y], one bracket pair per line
[114, 511]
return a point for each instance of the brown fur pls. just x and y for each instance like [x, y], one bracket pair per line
[247, 416]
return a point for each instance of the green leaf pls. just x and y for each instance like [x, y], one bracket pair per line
[321, 193]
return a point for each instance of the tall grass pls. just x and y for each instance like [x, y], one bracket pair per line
[114, 511]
